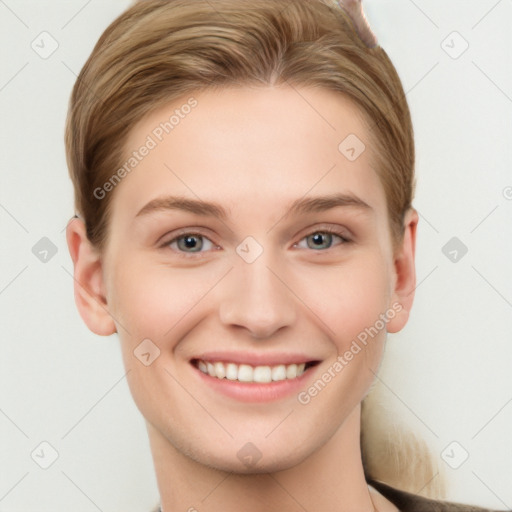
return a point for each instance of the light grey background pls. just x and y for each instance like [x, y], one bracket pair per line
[446, 375]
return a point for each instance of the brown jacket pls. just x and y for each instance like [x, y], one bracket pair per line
[407, 502]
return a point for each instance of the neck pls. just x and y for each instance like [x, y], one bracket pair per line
[330, 479]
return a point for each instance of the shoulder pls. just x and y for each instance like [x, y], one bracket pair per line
[408, 502]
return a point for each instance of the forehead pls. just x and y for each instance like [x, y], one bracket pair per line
[250, 147]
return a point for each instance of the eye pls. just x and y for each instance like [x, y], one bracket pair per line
[324, 239]
[190, 243]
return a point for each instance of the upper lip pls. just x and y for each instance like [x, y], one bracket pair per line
[254, 358]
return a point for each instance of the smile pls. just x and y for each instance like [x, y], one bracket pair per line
[247, 373]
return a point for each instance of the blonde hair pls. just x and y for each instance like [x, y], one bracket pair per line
[160, 50]
[393, 454]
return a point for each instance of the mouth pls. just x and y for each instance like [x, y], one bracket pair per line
[246, 373]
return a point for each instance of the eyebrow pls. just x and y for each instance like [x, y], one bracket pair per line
[299, 206]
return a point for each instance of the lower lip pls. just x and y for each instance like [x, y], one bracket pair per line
[256, 392]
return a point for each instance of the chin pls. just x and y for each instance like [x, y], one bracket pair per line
[277, 462]
[249, 458]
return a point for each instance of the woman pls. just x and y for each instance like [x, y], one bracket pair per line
[244, 177]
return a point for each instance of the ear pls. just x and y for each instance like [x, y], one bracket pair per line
[88, 280]
[405, 274]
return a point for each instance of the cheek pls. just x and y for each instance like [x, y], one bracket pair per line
[351, 302]
[349, 298]
[152, 300]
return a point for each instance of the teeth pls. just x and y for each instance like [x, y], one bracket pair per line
[262, 374]
[291, 371]
[247, 373]
[220, 370]
[231, 371]
[279, 372]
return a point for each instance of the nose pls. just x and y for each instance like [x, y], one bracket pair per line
[257, 298]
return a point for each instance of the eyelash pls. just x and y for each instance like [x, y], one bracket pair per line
[184, 234]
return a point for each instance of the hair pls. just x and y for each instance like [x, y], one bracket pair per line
[392, 453]
[159, 51]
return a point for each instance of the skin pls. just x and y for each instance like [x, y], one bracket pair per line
[293, 298]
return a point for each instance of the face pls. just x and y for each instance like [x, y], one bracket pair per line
[249, 255]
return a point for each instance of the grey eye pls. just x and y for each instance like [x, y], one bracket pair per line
[191, 243]
[320, 240]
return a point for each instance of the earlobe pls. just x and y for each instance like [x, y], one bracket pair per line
[405, 274]
[89, 287]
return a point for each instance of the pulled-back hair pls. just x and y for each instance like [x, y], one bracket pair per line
[160, 51]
